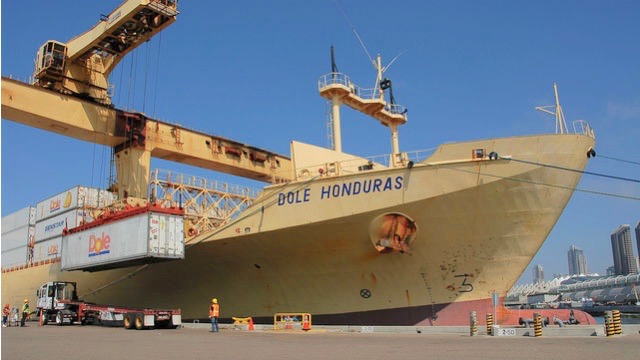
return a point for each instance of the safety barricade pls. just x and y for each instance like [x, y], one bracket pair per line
[245, 323]
[291, 321]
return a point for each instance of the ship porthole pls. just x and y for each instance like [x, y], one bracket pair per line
[392, 232]
[365, 293]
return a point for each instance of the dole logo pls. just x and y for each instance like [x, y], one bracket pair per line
[53, 250]
[99, 245]
[54, 205]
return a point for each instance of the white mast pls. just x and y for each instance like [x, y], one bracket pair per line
[561, 124]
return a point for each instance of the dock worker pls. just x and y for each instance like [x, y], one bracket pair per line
[214, 313]
[25, 311]
[5, 314]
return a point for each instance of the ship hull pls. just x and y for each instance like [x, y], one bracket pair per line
[316, 245]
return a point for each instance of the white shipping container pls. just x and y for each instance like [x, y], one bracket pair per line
[14, 257]
[52, 227]
[48, 249]
[144, 236]
[17, 238]
[76, 197]
[19, 219]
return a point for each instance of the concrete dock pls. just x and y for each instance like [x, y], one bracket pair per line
[194, 341]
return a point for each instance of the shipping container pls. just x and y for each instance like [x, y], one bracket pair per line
[21, 218]
[17, 238]
[48, 249]
[52, 227]
[143, 238]
[76, 197]
[14, 257]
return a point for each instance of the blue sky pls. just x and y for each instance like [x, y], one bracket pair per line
[248, 71]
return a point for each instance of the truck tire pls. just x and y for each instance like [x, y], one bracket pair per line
[139, 321]
[45, 317]
[59, 320]
[129, 320]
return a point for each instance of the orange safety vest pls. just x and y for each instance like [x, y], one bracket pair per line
[214, 310]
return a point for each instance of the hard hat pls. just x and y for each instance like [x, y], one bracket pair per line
[214, 300]
[26, 300]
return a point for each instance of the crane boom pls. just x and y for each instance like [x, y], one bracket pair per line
[70, 97]
[136, 138]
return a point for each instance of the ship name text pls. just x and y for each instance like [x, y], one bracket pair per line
[349, 188]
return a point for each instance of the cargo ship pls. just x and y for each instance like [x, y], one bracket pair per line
[413, 238]
[353, 241]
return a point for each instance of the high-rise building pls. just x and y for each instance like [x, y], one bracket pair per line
[638, 242]
[538, 274]
[624, 261]
[577, 261]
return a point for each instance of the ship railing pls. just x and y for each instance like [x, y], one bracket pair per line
[396, 109]
[353, 166]
[583, 127]
[192, 181]
[336, 78]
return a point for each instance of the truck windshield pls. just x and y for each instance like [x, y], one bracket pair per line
[64, 292]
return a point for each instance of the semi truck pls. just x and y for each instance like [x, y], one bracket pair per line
[58, 303]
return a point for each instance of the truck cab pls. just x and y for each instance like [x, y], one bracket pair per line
[57, 301]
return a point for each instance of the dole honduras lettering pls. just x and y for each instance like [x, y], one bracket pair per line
[99, 245]
[350, 188]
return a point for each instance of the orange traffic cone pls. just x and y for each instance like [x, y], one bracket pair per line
[251, 323]
[306, 326]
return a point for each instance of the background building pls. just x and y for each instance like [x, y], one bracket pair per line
[577, 261]
[624, 261]
[538, 274]
[638, 243]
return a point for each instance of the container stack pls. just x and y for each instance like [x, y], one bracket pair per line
[18, 232]
[65, 210]
[34, 235]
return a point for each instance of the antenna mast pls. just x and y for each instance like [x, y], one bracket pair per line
[561, 124]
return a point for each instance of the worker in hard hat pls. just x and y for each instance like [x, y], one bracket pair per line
[214, 313]
[5, 314]
[25, 312]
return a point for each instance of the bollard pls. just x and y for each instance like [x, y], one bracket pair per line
[537, 325]
[473, 320]
[617, 323]
[489, 324]
[608, 324]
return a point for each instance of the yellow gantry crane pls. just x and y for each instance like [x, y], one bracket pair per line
[70, 96]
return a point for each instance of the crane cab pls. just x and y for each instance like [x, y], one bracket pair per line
[50, 62]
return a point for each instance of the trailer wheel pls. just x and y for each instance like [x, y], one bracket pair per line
[59, 319]
[139, 321]
[129, 319]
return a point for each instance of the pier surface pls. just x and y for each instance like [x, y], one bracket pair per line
[194, 341]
